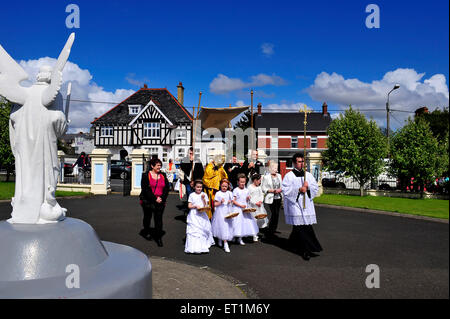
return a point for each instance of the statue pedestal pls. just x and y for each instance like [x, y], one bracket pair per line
[48, 261]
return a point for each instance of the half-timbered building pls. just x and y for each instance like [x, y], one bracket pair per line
[150, 118]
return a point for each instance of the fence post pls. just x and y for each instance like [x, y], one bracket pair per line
[61, 155]
[137, 168]
[100, 171]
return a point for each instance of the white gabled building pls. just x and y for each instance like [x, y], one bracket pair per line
[150, 118]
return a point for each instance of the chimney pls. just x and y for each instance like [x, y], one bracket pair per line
[421, 111]
[145, 86]
[180, 93]
[324, 108]
[259, 109]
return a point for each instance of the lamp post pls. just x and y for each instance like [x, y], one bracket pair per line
[387, 112]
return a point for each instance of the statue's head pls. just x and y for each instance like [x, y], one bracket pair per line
[45, 74]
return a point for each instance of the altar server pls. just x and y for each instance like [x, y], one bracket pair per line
[302, 216]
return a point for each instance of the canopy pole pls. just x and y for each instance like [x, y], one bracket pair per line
[195, 133]
[251, 119]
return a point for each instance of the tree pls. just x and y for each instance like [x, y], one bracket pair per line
[416, 153]
[245, 121]
[356, 146]
[6, 155]
[438, 121]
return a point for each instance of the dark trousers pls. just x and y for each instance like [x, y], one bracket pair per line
[274, 216]
[156, 211]
[304, 239]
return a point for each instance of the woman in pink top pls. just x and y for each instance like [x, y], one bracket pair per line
[153, 197]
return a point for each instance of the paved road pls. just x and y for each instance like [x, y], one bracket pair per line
[412, 254]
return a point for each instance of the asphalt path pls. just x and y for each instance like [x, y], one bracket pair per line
[412, 255]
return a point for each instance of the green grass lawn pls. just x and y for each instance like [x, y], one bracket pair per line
[424, 207]
[7, 191]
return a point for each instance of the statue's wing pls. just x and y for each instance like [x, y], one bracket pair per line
[11, 74]
[49, 95]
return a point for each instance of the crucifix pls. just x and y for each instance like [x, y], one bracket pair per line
[305, 122]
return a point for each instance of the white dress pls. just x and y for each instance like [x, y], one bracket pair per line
[198, 230]
[244, 224]
[222, 228]
[294, 212]
[256, 195]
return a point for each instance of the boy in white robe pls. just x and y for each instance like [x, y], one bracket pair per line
[301, 216]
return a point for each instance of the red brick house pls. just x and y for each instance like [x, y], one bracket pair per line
[290, 134]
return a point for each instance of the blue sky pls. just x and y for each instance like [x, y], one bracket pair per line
[121, 43]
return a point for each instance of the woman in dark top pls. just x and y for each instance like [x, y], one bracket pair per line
[154, 191]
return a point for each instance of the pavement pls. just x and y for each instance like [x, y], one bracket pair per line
[412, 255]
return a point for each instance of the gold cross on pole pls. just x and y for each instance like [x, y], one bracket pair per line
[305, 122]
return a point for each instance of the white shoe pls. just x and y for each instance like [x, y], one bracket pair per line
[226, 248]
[241, 242]
[255, 238]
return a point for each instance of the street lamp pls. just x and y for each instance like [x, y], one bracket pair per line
[387, 111]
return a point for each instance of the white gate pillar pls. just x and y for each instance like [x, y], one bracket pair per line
[137, 169]
[101, 168]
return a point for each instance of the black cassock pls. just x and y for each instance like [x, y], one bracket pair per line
[303, 239]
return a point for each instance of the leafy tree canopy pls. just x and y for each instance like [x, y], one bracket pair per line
[356, 146]
[416, 153]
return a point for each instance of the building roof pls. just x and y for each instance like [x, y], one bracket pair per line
[165, 101]
[292, 122]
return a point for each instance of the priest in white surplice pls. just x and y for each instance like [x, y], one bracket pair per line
[302, 218]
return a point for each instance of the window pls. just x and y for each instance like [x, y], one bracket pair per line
[181, 153]
[134, 109]
[197, 153]
[180, 136]
[106, 131]
[151, 130]
[154, 151]
[274, 142]
[165, 155]
[313, 142]
[294, 142]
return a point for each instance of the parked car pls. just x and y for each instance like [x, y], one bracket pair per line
[68, 169]
[120, 169]
[332, 183]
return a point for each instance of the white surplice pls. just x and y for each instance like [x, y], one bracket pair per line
[294, 212]
[256, 195]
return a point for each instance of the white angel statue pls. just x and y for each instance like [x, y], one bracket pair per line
[37, 120]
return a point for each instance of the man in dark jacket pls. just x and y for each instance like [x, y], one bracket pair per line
[191, 172]
[83, 164]
[252, 166]
[233, 169]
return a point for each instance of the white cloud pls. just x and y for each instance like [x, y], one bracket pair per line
[412, 94]
[131, 78]
[262, 94]
[240, 103]
[222, 84]
[283, 107]
[267, 49]
[83, 88]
